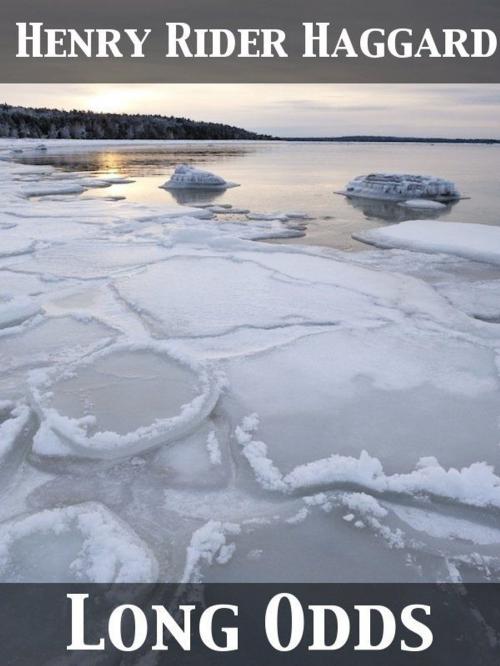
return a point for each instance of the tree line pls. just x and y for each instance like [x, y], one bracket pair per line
[40, 123]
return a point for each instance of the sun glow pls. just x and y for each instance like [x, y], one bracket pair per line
[111, 101]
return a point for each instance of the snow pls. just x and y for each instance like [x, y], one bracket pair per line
[476, 485]
[208, 543]
[477, 242]
[80, 543]
[186, 393]
[401, 187]
[188, 177]
[213, 448]
[181, 402]
[480, 299]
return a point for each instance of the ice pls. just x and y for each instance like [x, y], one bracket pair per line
[11, 246]
[86, 261]
[401, 187]
[15, 311]
[478, 242]
[44, 190]
[476, 485]
[208, 294]
[13, 418]
[213, 448]
[51, 341]
[117, 180]
[189, 177]
[425, 204]
[208, 543]
[243, 408]
[80, 543]
[200, 460]
[227, 210]
[446, 526]
[480, 299]
[91, 406]
[268, 216]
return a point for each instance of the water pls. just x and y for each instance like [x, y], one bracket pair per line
[280, 176]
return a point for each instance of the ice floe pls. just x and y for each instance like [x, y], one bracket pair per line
[478, 242]
[480, 299]
[189, 177]
[44, 190]
[82, 410]
[243, 408]
[13, 418]
[79, 543]
[401, 187]
[15, 311]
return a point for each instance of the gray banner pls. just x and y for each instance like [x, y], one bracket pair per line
[356, 16]
[36, 624]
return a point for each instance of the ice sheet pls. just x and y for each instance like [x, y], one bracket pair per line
[180, 401]
[472, 241]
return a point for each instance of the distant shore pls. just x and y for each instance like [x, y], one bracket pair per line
[389, 139]
[17, 122]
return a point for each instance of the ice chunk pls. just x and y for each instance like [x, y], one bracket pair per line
[47, 444]
[400, 187]
[92, 406]
[213, 448]
[51, 341]
[88, 259]
[346, 390]
[445, 526]
[480, 299]
[425, 204]
[200, 460]
[479, 242]
[476, 485]
[213, 295]
[13, 418]
[227, 210]
[116, 180]
[44, 190]
[79, 543]
[15, 311]
[208, 543]
[283, 217]
[189, 177]
[11, 246]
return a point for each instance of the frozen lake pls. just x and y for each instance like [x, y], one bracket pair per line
[280, 176]
[181, 401]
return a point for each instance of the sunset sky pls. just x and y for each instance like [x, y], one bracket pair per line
[291, 110]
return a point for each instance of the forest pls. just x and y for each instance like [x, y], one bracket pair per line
[20, 122]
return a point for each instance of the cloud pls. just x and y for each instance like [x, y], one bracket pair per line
[292, 109]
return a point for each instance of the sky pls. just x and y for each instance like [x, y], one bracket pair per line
[291, 109]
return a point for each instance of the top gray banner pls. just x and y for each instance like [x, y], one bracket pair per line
[238, 41]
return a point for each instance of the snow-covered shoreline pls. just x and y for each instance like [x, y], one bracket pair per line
[363, 385]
